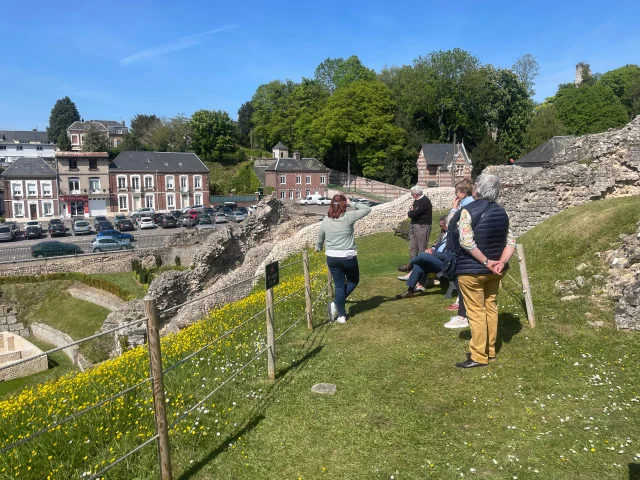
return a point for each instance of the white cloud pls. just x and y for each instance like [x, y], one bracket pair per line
[184, 42]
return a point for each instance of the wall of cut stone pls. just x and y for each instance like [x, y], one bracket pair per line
[15, 348]
[9, 321]
[55, 337]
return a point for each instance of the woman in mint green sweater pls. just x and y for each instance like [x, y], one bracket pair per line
[337, 230]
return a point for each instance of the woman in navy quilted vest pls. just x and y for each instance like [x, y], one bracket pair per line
[484, 245]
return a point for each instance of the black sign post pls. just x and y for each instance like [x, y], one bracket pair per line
[271, 275]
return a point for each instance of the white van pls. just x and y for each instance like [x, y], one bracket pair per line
[310, 200]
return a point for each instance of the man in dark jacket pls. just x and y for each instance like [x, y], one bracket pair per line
[420, 229]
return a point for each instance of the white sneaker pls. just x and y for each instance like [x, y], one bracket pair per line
[419, 288]
[404, 278]
[457, 322]
[334, 310]
[341, 320]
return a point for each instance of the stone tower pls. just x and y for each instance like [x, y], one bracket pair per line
[582, 70]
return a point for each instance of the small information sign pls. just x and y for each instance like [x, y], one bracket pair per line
[272, 275]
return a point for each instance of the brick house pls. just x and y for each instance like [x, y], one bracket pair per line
[114, 131]
[84, 183]
[31, 190]
[438, 166]
[295, 177]
[161, 180]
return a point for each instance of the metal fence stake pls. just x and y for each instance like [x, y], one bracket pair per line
[307, 289]
[155, 365]
[271, 345]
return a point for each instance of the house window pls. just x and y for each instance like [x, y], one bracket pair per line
[17, 188]
[323, 179]
[283, 194]
[169, 179]
[135, 183]
[298, 179]
[74, 184]
[18, 209]
[171, 200]
[75, 140]
[459, 170]
[73, 164]
[118, 131]
[122, 182]
[47, 209]
[307, 179]
[308, 192]
[184, 183]
[19, 147]
[148, 201]
[197, 182]
[298, 194]
[197, 198]
[94, 184]
[32, 190]
[148, 181]
[290, 194]
[116, 142]
[3, 147]
[46, 189]
[38, 148]
[283, 179]
[122, 202]
[93, 164]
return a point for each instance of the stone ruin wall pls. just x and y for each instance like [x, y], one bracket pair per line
[14, 348]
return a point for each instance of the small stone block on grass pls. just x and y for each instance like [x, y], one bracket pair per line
[324, 388]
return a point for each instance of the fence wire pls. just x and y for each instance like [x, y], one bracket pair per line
[124, 457]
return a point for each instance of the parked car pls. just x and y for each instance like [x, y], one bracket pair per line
[6, 233]
[56, 227]
[225, 210]
[324, 201]
[176, 213]
[193, 214]
[143, 212]
[168, 221]
[125, 225]
[120, 217]
[231, 205]
[100, 226]
[209, 211]
[236, 217]
[105, 244]
[196, 207]
[243, 210]
[204, 219]
[220, 217]
[310, 200]
[146, 222]
[33, 223]
[98, 219]
[188, 221]
[252, 209]
[115, 234]
[15, 228]
[54, 248]
[81, 227]
[157, 218]
[32, 232]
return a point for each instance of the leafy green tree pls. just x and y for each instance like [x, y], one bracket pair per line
[143, 126]
[245, 125]
[273, 113]
[308, 99]
[589, 108]
[173, 135]
[357, 123]
[95, 141]
[335, 73]
[625, 83]
[63, 114]
[526, 69]
[213, 134]
[130, 143]
[63, 142]
[245, 181]
[544, 125]
[488, 152]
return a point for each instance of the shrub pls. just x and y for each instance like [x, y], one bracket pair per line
[158, 260]
[177, 261]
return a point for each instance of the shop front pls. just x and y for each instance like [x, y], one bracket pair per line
[74, 205]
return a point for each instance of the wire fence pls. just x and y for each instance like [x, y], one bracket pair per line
[314, 290]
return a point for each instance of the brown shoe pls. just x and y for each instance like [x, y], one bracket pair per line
[405, 268]
[406, 294]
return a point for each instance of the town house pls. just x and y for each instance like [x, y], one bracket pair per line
[114, 131]
[439, 166]
[294, 177]
[84, 183]
[31, 190]
[15, 144]
[163, 181]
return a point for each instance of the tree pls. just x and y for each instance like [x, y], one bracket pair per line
[526, 69]
[143, 126]
[273, 113]
[245, 125]
[245, 181]
[488, 152]
[95, 141]
[589, 108]
[213, 133]
[335, 73]
[625, 83]
[63, 142]
[173, 135]
[130, 143]
[357, 122]
[544, 125]
[63, 114]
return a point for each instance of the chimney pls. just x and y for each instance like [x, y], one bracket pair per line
[296, 155]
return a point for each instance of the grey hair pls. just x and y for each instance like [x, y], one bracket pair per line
[416, 190]
[487, 186]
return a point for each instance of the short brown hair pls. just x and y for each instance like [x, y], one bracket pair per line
[338, 206]
[465, 186]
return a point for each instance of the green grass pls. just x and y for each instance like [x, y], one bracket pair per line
[126, 281]
[403, 409]
[59, 365]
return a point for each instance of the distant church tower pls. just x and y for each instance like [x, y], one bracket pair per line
[280, 151]
[582, 70]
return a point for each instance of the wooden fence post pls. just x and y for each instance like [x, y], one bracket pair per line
[155, 365]
[271, 347]
[329, 285]
[307, 288]
[526, 288]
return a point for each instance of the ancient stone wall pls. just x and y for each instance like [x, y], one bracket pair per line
[13, 348]
[55, 337]
[9, 321]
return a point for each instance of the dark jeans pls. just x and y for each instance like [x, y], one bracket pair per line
[421, 265]
[346, 275]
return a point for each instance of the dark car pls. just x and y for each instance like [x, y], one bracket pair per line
[54, 248]
[243, 210]
[168, 221]
[119, 218]
[32, 232]
[176, 214]
[56, 227]
[157, 218]
[204, 219]
[209, 211]
[115, 234]
[125, 225]
[225, 210]
[98, 219]
[100, 226]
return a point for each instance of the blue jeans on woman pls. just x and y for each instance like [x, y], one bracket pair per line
[346, 275]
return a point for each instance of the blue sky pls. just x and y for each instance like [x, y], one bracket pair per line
[118, 58]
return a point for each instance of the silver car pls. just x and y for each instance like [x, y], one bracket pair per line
[81, 227]
[236, 217]
[6, 234]
[106, 244]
